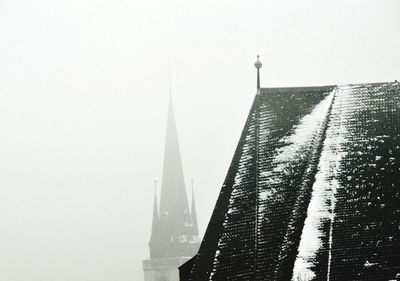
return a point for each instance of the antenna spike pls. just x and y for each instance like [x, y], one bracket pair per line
[258, 65]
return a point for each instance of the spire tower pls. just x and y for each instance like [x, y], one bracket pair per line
[174, 235]
[174, 206]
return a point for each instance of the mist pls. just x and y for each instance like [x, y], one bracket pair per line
[83, 104]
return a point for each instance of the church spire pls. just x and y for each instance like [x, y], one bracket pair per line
[175, 221]
[173, 237]
[173, 201]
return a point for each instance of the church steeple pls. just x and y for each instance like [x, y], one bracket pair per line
[174, 237]
[176, 233]
[173, 202]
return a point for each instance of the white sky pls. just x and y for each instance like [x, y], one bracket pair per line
[83, 104]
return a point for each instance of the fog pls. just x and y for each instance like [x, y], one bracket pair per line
[83, 106]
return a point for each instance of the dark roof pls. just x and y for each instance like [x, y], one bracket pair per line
[313, 189]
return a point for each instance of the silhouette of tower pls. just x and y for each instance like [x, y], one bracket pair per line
[174, 237]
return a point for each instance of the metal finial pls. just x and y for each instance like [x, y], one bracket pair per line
[258, 63]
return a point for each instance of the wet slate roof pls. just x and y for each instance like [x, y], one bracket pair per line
[313, 190]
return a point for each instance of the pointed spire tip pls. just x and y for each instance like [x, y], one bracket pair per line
[258, 65]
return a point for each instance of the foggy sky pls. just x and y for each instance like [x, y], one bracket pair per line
[83, 106]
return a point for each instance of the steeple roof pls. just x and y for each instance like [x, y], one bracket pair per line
[173, 183]
[175, 223]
